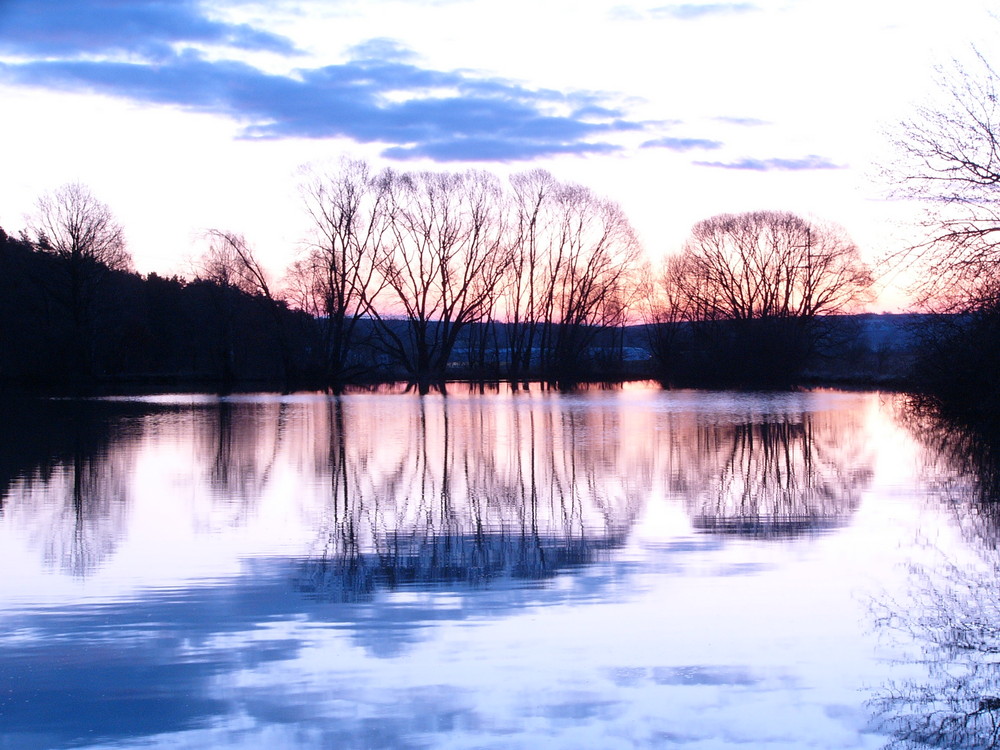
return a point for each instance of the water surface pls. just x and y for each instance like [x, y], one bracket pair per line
[621, 567]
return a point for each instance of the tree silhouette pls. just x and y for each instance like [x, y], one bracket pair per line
[592, 254]
[72, 223]
[948, 159]
[338, 279]
[756, 286]
[231, 264]
[76, 227]
[571, 274]
[447, 256]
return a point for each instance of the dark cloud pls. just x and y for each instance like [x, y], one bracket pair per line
[474, 119]
[774, 165]
[682, 144]
[380, 95]
[67, 28]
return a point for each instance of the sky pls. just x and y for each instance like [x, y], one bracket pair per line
[185, 115]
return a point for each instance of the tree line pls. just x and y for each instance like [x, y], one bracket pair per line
[422, 276]
[525, 276]
[68, 321]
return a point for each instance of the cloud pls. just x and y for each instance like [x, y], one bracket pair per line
[750, 122]
[476, 119]
[381, 49]
[149, 52]
[625, 13]
[493, 149]
[774, 165]
[69, 28]
[682, 144]
[692, 11]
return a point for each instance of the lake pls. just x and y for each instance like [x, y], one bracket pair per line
[618, 567]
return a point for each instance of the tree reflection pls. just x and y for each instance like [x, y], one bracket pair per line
[953, 614]
[66, 470]
[465, 487]
[951, 611]
[962, 461]
[241, 443]
[780, 475]
[471, 495]
[59, 471]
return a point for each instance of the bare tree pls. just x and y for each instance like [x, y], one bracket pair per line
[231, 264]
[524, 283]
[756, 284]
[447, 257]
[667, 309]
[571, 276]
[768, 264]
[338, 279]
[593, 253]
[72, 224]
[948, 159]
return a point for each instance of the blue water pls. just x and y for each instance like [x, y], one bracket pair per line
[610, 568]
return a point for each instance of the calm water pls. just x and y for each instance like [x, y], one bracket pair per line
[621, 568]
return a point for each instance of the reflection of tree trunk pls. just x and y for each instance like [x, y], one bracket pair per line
[223, 443]
[532, 493]
[768, 478]
[459, 506]
[88, 494]
[78, 554]
[236, 437]
[344, 520]
[446, 468]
